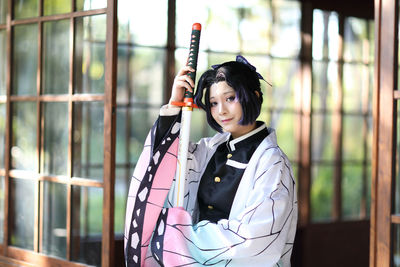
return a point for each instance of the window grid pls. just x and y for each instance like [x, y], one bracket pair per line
[40, 99]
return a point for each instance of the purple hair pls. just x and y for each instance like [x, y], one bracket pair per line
[243, 79]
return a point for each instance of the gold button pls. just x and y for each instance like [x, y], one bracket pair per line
[229, 156]
[210, 207]
[217, 179]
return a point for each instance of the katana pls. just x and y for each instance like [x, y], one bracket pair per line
[187, 108]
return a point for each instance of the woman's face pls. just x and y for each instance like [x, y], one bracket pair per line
[227, 110]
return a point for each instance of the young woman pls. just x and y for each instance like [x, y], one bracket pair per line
[240, 205]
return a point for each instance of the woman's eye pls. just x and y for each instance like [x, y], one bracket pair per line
[213, 104]
[230, 99]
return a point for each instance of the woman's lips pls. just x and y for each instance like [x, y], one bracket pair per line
[225, 121]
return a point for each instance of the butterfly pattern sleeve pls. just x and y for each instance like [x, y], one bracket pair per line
[150, 184]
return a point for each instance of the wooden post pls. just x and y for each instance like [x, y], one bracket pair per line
[107, 258]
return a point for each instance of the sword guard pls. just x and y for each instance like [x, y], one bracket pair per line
[187, 102]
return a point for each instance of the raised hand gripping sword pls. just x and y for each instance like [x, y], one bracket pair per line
[187, 108]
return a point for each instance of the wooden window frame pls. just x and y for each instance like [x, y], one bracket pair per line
[385, 99]
[12, 254]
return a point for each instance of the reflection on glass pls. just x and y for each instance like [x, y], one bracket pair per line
[132, 15]
[87, 207]
[54, 219]
[353, 138]
[321, 142]
[25, 59]
[22, 213]
[325, 41]
[23, 147]
[3, 61]
[325, 82]
[356, 43]
[2, 133]
[90, 38]
[140, 75]
[55, 145]
[25, 8]
[2, 208]
[56, 57]
[88, 140]
[321, 193]
[56, 7]
[352, 184]
[90, 4]
[3, 11]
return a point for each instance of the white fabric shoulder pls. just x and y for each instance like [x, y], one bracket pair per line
[169, 110]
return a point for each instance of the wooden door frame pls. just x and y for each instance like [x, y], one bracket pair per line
[384, 137]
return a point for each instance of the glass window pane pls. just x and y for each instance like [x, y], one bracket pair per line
[325, 82]
[54, 219]
[122, 180]
[356, 84]
[56, 57]
[234, 26]
[87, 207]
[397, 164]
[55, 141]
[321, 141]
[3, 11]
[284, 124]
[130, 144]
[371, 29]
[321, 193]
[286, 16]
[25, 59]
[3, 61]
[284, 75]
[90, 35]
[24, 148]
[355, 39]
[90, 4]
[396, 245]
[88, 140]
[26, 8]
[21, 215]
[352, 185]
[222, 24]
[354, 143]
[140, 75]
[2, 133]
[325, 41]
[56, 7]
[2, 193]
[132, 15]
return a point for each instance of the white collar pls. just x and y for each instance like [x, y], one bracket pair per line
[241, 138]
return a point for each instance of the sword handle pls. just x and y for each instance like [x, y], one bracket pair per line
[192, 59]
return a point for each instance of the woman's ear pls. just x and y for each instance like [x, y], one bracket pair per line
[257, 93]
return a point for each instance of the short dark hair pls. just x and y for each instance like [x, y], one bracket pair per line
[242, 79]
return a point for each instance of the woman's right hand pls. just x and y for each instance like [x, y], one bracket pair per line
[182, 82]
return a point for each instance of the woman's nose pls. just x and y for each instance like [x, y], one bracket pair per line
[221, 108]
